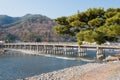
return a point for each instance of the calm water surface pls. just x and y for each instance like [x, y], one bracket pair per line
[17, 66]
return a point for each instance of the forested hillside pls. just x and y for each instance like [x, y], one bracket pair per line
[28, 28]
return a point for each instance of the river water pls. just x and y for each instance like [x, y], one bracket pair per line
[18, 66]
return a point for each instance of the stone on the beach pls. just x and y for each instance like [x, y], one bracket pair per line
[112, 58]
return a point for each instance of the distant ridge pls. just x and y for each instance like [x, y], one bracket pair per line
[28, 28]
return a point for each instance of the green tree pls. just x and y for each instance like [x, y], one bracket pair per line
[38, 39]
[94, 25]
[10, 38]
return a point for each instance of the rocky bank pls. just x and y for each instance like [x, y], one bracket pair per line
[90, 71]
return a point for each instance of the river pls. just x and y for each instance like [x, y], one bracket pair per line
[18, 66]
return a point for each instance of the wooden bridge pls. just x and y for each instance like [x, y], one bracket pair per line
[58, 48]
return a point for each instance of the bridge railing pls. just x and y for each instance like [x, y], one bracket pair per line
[43, 43]
[63, 43]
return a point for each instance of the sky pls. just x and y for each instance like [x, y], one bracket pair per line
[52, 8]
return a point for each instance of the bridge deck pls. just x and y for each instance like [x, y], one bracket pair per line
[68, 44]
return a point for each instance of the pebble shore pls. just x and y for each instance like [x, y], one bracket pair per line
[90, 71]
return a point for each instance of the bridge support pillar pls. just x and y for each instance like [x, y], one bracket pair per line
[82, 51]
[37, 48]
[65, 50]
[99, 53]
[2, 49]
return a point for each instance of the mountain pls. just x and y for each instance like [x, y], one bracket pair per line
[28, 28]
[7, 20]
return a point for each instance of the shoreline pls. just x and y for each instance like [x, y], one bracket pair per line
[89, 71]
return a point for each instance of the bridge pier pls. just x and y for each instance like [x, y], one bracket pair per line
[65, 50]
[99, 53]
[82, 51]
[2, 49]
[54, 50]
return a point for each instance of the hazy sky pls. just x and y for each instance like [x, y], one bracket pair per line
[52, 8]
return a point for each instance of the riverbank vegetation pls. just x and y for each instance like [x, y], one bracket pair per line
[94, 25]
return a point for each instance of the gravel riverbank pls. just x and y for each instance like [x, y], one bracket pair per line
[90, 71]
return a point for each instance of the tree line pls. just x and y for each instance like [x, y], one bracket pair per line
[93, 25]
